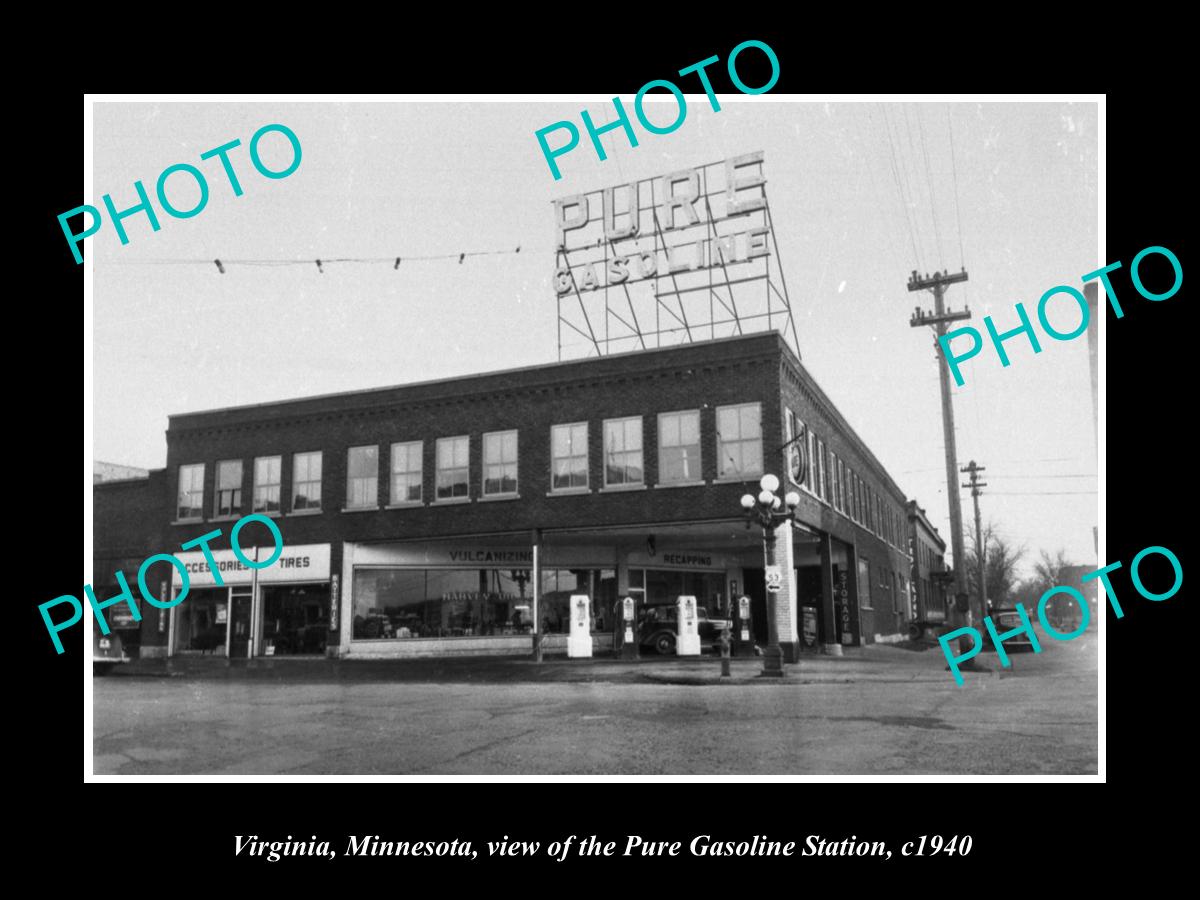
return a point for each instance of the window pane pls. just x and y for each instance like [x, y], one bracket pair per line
[613, 437]
[668, 430]
[689, 428]
[229, 474]
[727, 424]
[751, 424]
[633, 434]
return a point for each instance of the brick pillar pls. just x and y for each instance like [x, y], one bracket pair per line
[829, 626]
[786, 601]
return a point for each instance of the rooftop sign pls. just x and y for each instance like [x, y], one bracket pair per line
[678, 257]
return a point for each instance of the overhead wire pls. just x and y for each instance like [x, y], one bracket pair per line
[900, 187]
[319, 262]
[937, 237]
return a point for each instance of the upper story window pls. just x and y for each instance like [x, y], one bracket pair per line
[453, 458]
[499, 463]
[623, 451]
[817, 468]
[679, 447]
[229, 487]
[569, 456]
[191, 491]
[306, 480]
[362, 477]
[799, 461]
[835, 469]
[739, 440]
[267, 471]
[407, 472]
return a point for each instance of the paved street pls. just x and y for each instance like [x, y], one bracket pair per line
[882, 710]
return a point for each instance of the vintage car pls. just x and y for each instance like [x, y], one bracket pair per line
[107, 651]
[1006, 619]
[659, 629]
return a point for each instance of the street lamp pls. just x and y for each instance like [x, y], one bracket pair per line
[767, 510]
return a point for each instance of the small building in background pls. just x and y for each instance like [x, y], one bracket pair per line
[928, 551]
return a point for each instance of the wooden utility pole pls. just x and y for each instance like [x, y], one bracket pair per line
[937, 283]
[980, 549]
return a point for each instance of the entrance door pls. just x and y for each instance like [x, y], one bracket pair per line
[756, 590]
[239, 625]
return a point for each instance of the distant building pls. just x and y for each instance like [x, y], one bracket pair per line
[105, 471]
[928, 552]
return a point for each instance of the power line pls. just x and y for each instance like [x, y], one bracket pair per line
[320, 263]
[1040, 493]
[912, 146]
[937, 237]
[899, 187]
[1003, 462]
[962, 256]
[1046, 476]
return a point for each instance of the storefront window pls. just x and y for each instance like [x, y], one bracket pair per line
[664, 587]
[435, 603]
[200, 621]
[295, 619]
[558, 585]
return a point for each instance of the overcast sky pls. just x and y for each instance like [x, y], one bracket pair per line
[418, 179]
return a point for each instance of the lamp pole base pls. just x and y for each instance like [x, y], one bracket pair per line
[773, 662]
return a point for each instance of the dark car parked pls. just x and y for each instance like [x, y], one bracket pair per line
[659, 628]
[1006, 619]
[107, 651]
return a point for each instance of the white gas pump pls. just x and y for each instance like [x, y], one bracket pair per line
[579, 641]
[687, 641]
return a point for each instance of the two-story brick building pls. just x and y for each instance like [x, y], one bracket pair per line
[929, 574]
[458, 516]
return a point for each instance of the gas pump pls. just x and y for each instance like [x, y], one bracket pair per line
[629, 643]
[687, 638]
[743, 639]
[579, 641]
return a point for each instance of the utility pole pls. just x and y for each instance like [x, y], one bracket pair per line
[937, 283]
[980, 549]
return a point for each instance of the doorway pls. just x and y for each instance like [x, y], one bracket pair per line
[240, 603]
[756, 590]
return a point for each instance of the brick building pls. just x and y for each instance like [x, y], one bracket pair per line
[128, 515]
[928, 552]
[452, 517]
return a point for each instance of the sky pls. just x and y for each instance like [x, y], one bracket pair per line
[861, 194]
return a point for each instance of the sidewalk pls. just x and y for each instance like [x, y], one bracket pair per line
[876, 662]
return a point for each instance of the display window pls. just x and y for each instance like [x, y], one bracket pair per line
[395, 603]
[201, 621]
[295, 620]
[559, 585]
